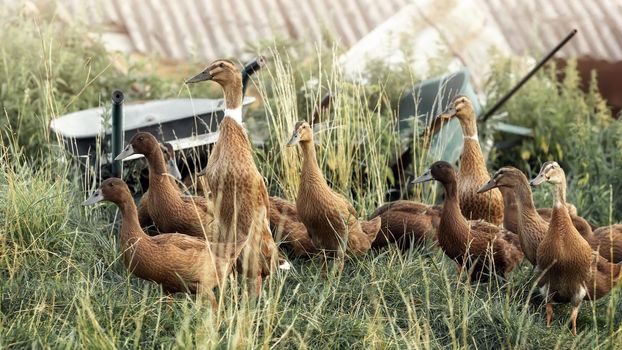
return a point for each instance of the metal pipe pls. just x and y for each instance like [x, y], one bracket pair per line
[250, 69]
[117, 132]
[533, 71]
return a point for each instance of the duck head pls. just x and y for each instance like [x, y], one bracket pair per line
[550, 172]
[141, 143]
[302, 133]
[460, 108]
[221, 71]
[440, 171]
[113, 190]
[171, 161]
[505, 177]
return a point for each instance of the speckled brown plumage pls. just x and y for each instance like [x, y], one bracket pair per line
[406, 223]
[571, 271]
[179, 262]
[288, 229]
[607, 240]
[164, 204]
[197, 184]
[471, 243]
[330, 219]
[238, 189]
[472, 173]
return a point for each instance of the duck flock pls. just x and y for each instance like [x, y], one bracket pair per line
[486, 225]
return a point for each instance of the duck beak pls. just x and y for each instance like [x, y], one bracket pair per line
[127, 151]
[94, 198]
[427, 176]
[173, 169]
[538, 180]
[488, 186]
[203, 76]
[294, 140]
[439, 120]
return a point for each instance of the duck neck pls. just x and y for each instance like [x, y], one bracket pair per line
[159, 179]
[311, 172]
[233, 100]
[527, 209]
[560, 216]
[130, 227]
[452, 220]
[472, 160]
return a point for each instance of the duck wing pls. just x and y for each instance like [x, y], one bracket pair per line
[405, 221]
[282, 206]
[288, 229]
[608, 241]
[179, 241]
[371, 227]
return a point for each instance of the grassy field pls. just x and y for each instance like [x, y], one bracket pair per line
[62, 284]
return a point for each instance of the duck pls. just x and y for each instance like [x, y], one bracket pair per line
[288, 229]
[330, 219]
[571, 270]
[519, 205]
[468, 242]
[240, 196]
[520, 213]
[607, 240]
[172, 170]
[178, 262]
[165, 205]
[406, 223]
[472, 172]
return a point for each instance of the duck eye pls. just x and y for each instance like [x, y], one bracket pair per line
[141, 138]
[222, 65]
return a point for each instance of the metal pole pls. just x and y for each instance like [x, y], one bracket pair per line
[533, 71]
[117, 131]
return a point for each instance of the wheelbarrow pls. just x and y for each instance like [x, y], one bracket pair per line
[184, 123]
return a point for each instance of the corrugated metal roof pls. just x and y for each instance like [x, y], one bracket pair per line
[214, 28]
[205, 29]
[530, 25]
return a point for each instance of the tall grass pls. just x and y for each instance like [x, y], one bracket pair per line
[63, 284]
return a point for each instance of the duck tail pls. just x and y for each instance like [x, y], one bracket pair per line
[371, 228]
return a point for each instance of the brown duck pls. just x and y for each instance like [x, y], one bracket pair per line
[406, 223]
[467, 242]
[519, 204]
[172, 170]
[571, 271]
[607, 240]
[178, 262]
[288, 228]
[238, 190]
[165, 205]
[330, 219]
[521, 215]
[472, 173]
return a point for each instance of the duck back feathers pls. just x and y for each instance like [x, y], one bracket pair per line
[406, 223]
